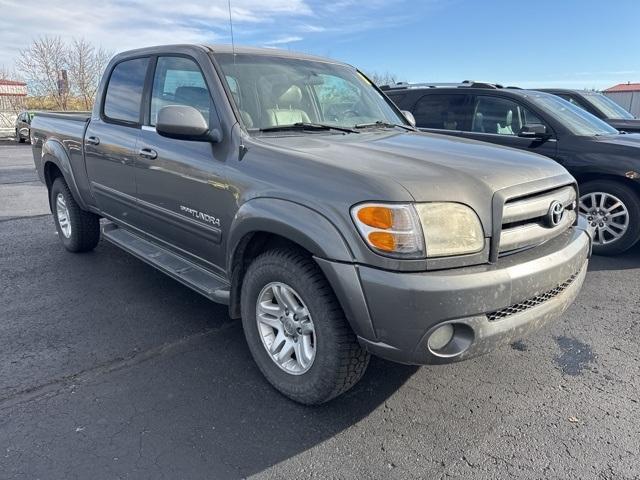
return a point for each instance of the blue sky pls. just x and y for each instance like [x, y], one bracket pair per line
[581, 44]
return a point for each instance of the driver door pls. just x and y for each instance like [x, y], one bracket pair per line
[499, 120]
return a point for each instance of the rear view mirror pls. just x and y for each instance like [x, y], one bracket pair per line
[534, 130]
[409, 116]
[185, 123]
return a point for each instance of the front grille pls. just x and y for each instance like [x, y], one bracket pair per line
[531, 302]
[526, 220]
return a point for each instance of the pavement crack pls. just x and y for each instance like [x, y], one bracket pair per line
[60, 384]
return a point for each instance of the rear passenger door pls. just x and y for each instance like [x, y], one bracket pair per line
[498, 120]
[182, 191]
[447, 113]
[110, 141]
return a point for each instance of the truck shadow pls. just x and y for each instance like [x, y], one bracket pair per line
[163, 381]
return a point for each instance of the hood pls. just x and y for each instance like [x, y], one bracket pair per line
[431, 167]
[623, 140]
[625, 125]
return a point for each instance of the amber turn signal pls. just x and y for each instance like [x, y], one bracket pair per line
[376, 217]
[384, 241]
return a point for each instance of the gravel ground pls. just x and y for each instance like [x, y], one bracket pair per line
[109, 369]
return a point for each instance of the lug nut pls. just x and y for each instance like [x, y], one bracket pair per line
[601, 224]
[589, 218]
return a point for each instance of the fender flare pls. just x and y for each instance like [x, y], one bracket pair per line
[302, 225]
[54, 152]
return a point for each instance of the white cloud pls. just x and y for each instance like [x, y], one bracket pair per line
[120, 25]
[283, 40]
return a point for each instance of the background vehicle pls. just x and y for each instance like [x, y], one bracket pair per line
[605, 163]
[599, 105]
[291, 189]
[23, 127]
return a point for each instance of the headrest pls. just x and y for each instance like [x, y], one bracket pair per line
[291, 96]
[194, 96]
[509, 118]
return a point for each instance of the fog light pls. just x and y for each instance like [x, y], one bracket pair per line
[441, 337]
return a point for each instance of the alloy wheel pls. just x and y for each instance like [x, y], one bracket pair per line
[607, 214]
[62, 213]
[286, 328]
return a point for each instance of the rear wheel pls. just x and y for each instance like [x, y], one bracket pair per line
[78, 229]
[296, 330]
[613, 211]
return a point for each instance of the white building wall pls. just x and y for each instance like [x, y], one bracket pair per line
[628, 100]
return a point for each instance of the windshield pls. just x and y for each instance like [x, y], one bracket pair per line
[608, 107]
[575, 119]
[272, 91]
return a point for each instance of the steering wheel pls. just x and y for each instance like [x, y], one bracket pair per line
[350, 113]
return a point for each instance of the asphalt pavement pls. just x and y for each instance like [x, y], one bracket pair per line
[109, 369]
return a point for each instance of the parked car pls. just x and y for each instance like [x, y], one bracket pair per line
[605, 162]
[23, 127]
[599, 105]
[288, 187]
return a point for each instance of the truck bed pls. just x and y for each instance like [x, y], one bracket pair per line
[64, 129]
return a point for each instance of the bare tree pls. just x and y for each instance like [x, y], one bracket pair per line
[85, 64]
[41, 64]
[385, 78]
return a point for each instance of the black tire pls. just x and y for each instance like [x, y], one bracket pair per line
[85, 226]
[19, 138]
[340, 361]
[631, 201]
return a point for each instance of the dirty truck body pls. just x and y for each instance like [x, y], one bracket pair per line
[291, 189]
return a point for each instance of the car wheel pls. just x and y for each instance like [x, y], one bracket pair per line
[613, 210]
[296, 330]
[78, 229]
[19, 138]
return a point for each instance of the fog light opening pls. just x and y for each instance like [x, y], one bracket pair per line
[450, 340]
[441, 337]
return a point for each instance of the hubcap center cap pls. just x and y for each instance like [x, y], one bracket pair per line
[289, 326]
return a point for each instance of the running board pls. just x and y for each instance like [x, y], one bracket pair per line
[202, 281]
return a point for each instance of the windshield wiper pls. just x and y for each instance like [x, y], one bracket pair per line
[301, 126]
[383, 124]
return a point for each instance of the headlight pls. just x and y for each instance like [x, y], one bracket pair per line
[450, 229]
[419, 230]
[391, 229]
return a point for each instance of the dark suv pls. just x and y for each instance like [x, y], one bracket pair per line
[599, 105]
[23, 127]
[605, 162]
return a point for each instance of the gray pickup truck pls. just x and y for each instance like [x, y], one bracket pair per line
[290, 188]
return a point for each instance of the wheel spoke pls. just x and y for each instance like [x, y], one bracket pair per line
[270, 321]
[287, 350]
[277, 343]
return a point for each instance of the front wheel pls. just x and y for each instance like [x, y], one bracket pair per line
[19, 138]
[296, 330]
[613, 211]
[78, 229]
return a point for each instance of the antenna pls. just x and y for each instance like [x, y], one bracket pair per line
[233, 47]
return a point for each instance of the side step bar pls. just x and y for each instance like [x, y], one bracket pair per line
[202, 281]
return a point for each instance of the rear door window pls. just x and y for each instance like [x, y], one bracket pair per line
[124, 91]
[442, 112]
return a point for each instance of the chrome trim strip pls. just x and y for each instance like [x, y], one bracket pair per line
[533, 233]
[537, 206]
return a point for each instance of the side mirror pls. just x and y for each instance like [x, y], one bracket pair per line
[409, 116]
[185, 123]
[534, 130]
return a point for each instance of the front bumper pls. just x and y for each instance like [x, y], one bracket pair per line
[489, 305]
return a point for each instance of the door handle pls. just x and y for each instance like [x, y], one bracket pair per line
[93, 140]
[148, 153]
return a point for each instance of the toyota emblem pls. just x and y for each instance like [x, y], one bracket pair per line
[555, 213]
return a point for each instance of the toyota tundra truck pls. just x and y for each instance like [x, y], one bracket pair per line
[291, 189]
